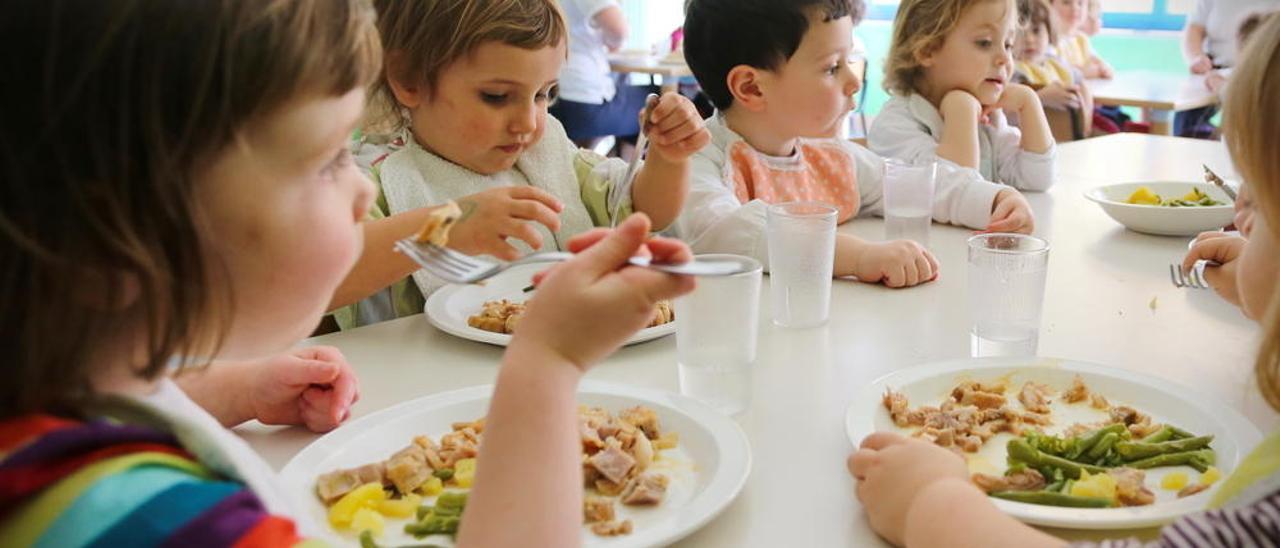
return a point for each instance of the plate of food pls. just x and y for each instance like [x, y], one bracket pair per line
[490, 312]
[657, 466]
[1063, 443]
[1165, 208]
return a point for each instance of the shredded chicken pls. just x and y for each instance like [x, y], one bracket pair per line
[1192, 489]
[596, 509]
[645, 489]
[1026, 480]
[612, 528]
[1078, 391]
[1096, 401]
[1130, 486]
[1034, 397]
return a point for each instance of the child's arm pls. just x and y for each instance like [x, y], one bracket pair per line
[528, 488]
[314, 387]
[918, 494]
[1036, 136]
[675, 132]
[1023, 158]
[896, 263]
[959, 141]
[1193, 47]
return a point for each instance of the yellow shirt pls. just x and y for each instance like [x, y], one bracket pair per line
[1047, 71]
[1075, 49]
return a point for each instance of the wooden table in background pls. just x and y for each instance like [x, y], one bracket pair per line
[638, 62]
[1159, 94]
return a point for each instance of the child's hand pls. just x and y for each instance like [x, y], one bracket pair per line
[897, 263]
[958, 104]
[585, 308]
[1215, 81]
[1223, 249]
[1201, 64]
[1057, 96]
[1011, 213]
[492, 216]
[1018, 98]
[1105, 71]
[891, 470]
[675, 128]
[314, 387]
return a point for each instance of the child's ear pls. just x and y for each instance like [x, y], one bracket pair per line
[925, 56]
[744, 84]
[409, 95]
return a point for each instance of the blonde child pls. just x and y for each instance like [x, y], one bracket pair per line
[203, 203]
[1058, 85]
[949, 70]
[466, 87]
[1092, 24]
[779, 74]
[918, 494]
[1073, 43]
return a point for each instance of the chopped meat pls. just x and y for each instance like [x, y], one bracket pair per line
[645, 489]
[608, 488]
[476, 425]
[439, 220]
[1131, 489]
[408, 469]
[1096, 401]
[1034, 397]
[1026, 480]
[596, 509]
[1078, 391]
[424, 442]
[333, 485]
[434, 459]
[970, 444]
[975, 394]
[612, 528]
[1192, 489]
[1128, 415]
[642, 451]
[896, 403]
[591, 441]
[613, 463]
[1143, 429]
[643, 418]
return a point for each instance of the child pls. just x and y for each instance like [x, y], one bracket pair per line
[1073, 43]
[199, 200]
[1093, 21]
[779, 74]
[949, 70]
[467, 84]
[1055, 82]
[918, 494]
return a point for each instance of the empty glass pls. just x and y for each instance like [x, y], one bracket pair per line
[716, 329]
[1006, 293]
[908, 200]
[802, 248]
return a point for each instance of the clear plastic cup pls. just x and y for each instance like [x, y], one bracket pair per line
[908, 200]
[1006, 293]
[802, 248]
[716, 330]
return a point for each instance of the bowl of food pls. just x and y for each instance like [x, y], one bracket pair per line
[1165, 208]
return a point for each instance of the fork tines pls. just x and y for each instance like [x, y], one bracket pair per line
[440, 262]
[1193, 279]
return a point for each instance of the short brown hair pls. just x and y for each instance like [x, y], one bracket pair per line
[920, 28]
[1034, 13]
[1251, 128]
[425, 37]
[122, 103]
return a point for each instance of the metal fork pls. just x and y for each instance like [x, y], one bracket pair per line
[642, 143]
[1193, 278]
[1211, 177]
[460, 268]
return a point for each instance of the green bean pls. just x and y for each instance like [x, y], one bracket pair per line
[1020, 450]
[1104, 446]
[1165, 433]
[1179, 433]
[1142, 450]
[1055, 486]
[1195, 459]
[452, 500]
[433, 525]
[366, 539]
[1087, 442]
[1066, 487]
[445, 474]
[1053, 499]
[423, 511]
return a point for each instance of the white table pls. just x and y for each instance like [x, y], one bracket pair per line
[641, 62]
[1159, 94]
[1101, 282]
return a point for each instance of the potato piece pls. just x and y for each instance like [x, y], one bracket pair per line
[365, 496]
[464, 472]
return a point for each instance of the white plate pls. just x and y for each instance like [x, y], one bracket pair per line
[450, 306]
[708, 468]
[1160, 220]
[1234, 435]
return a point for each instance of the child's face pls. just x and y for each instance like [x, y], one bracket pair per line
[1033, 43]
[811, 93]
[1071, 14]
[976, 55]
[284, 205]
[488, 107]
[1259, 268]
[1093, 21]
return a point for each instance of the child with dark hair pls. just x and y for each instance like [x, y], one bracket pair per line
[780, 75]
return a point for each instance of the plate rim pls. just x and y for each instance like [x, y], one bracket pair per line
[1098, 195]
[859, 424]
[730, 476]
[436, 303]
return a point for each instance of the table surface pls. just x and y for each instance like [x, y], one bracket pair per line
[645, 63]
[1102, 283]
[1154, 90]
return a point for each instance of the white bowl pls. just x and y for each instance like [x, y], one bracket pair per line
[1162, 220]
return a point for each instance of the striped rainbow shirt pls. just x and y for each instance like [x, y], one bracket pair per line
[100, 483]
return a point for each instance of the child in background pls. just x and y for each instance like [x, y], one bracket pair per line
[1058, 85]
[1216, 79]
[780, 76]
[466, 87]
[1092, 24]
[918, 494]
[949, 71]
[204, 204]
[1073, 44]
